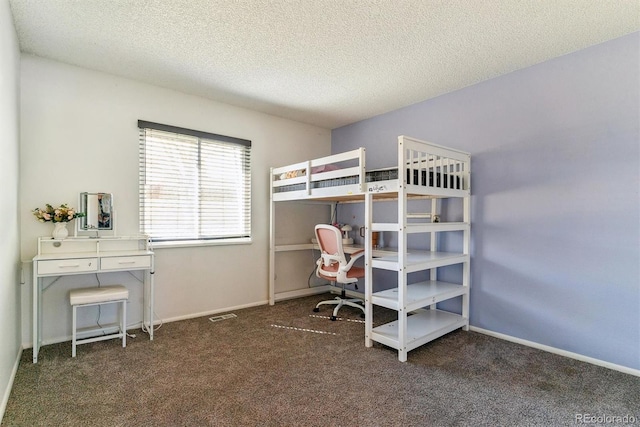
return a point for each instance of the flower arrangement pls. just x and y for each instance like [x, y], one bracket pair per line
[61, 214]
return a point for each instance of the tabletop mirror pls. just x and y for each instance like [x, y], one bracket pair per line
[98, 208]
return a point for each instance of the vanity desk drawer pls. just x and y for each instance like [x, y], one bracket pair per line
[64, 266]
[125, 262]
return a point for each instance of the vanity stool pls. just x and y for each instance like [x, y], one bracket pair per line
[86, 297]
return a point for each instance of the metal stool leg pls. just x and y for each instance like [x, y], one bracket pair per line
[123, 324]
[74, 335]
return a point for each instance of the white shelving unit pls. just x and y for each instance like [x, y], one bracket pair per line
[418, 319]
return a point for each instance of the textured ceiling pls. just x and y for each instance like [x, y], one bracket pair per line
[324, 62]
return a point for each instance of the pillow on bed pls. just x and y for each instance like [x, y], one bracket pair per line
[302, 172]
[293, 174]
[324, 168]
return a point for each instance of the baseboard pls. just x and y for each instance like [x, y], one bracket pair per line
[7, 391]
[159, 321]
[281, 296]
[58, 340]
[210, 313]
[576, 356]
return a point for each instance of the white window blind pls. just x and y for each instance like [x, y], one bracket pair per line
[193, 185]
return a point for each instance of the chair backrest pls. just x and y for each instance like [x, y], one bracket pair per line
[332, 254]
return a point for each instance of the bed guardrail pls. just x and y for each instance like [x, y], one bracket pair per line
[434, 166]
[321, 169]
[427, 169]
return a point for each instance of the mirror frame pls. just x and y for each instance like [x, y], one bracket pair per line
[98, 209]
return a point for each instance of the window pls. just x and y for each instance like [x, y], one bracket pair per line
[193, 185]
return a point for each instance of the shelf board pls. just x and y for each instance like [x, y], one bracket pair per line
[425, 227]
[385, 226]
[293, 247]
[419, 295]
[419, 260]
[93, 254]
[421, 328]
[429, 227]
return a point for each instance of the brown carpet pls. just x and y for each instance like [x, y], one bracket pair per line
[281, 366]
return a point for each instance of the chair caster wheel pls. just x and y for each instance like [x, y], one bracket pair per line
[333, 318]
[315, 310]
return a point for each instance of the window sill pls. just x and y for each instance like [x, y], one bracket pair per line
[197, 243]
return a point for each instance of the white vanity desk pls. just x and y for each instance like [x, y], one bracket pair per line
[86, 255]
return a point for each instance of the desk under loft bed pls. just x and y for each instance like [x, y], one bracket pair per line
[424, 172]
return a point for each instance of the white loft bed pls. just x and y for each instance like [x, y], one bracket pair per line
[424, 170]
[447, 170]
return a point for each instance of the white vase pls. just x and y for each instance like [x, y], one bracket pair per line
[60, 230]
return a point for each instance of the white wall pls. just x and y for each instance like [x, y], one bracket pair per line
[79, 133]
[9, 232]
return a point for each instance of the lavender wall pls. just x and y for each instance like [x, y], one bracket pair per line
[555, 195]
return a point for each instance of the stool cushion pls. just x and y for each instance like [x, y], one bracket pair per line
[98, 295]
